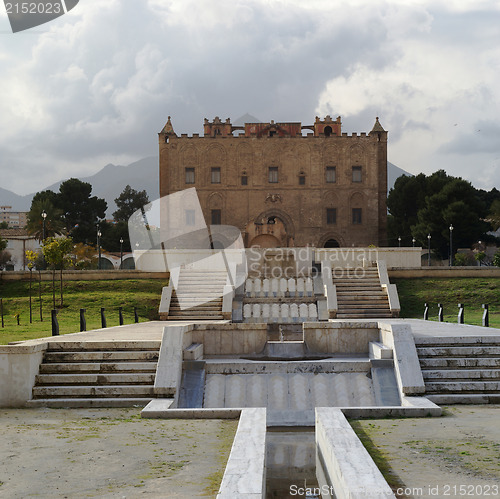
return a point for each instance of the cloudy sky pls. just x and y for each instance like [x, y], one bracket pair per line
[96, 85]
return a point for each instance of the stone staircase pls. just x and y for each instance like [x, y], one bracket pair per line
[360, 295]
[96, 374]
[462, 370]
[200, 294]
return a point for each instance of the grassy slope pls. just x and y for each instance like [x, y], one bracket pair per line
[472, 292]
[90, 295]
[145, 294]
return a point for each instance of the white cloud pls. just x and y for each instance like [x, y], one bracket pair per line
[98, 84]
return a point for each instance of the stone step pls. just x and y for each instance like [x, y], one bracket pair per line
[436, 341]
[456, 362]
[357, 283]
[462, 386]
[195, 317]
[357, 291]
[362, 310]
[99, 356]
[189, 312]
[356, 272]
[90, 402]
[363, 306]
[152, 345]
[455, 374]
[103, 367]
[361, 299]
[93, 391]
[356, 280]
[466, 398]
[380, 315]
[205, 310]
[459, 351]
[60, 379]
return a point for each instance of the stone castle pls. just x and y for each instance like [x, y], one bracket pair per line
[283, 184]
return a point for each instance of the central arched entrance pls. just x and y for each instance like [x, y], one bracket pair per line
[270, 233]
[331, 243]
[264, 241]
[273, 222]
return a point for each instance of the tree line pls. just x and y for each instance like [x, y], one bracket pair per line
[75, 213]
[424, 205]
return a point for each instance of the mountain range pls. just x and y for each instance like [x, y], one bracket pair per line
[109, 182]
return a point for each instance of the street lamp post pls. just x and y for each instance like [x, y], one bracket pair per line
[413, 241]
[99, 248]
[121, 253]
[428, 250]
[451, 245]
[44, 216]
[399, 241]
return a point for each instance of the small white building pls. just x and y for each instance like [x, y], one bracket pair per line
[18, 242]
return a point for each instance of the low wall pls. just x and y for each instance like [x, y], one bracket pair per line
[355, 257]
[346, 464]
[399, 337]
[228, 339]
[340, 337]
[83, 275]
[444, 272]
[245, 474]
[19, 365]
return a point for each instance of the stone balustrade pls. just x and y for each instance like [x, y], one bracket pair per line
[280, 312]
[279, 288]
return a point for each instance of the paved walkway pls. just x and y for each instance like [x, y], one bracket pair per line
[142, 331]
[420, 327]
[153, 330]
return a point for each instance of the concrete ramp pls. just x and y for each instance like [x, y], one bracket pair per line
[289, 397]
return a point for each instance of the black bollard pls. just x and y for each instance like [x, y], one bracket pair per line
[83, 322]
[120, 315]
[55, 323]
[426, 311]
[136, 316]
[486, 316]
[1, 310]
[440, 312]
[460, 313]
[103, 318]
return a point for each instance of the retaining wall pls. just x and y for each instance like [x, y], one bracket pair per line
[83, 275]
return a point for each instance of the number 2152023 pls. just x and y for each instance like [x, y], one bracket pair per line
[33, 8]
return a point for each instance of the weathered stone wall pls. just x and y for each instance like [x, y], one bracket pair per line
[300, 207]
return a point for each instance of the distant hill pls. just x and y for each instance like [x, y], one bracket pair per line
[393, 173]
[109, 182]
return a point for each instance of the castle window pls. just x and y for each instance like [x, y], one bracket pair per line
[244, 180]
[215, 175]
[357, 174]
[331, 216]
[331, 174]
[273, 174]
[302, 179]
[327, 131]
[189, 175]
[356, 216]
[190, 217]
[216, 217]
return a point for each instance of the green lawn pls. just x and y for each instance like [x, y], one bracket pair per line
[90, 295]
[472, 292]
[145, 295]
